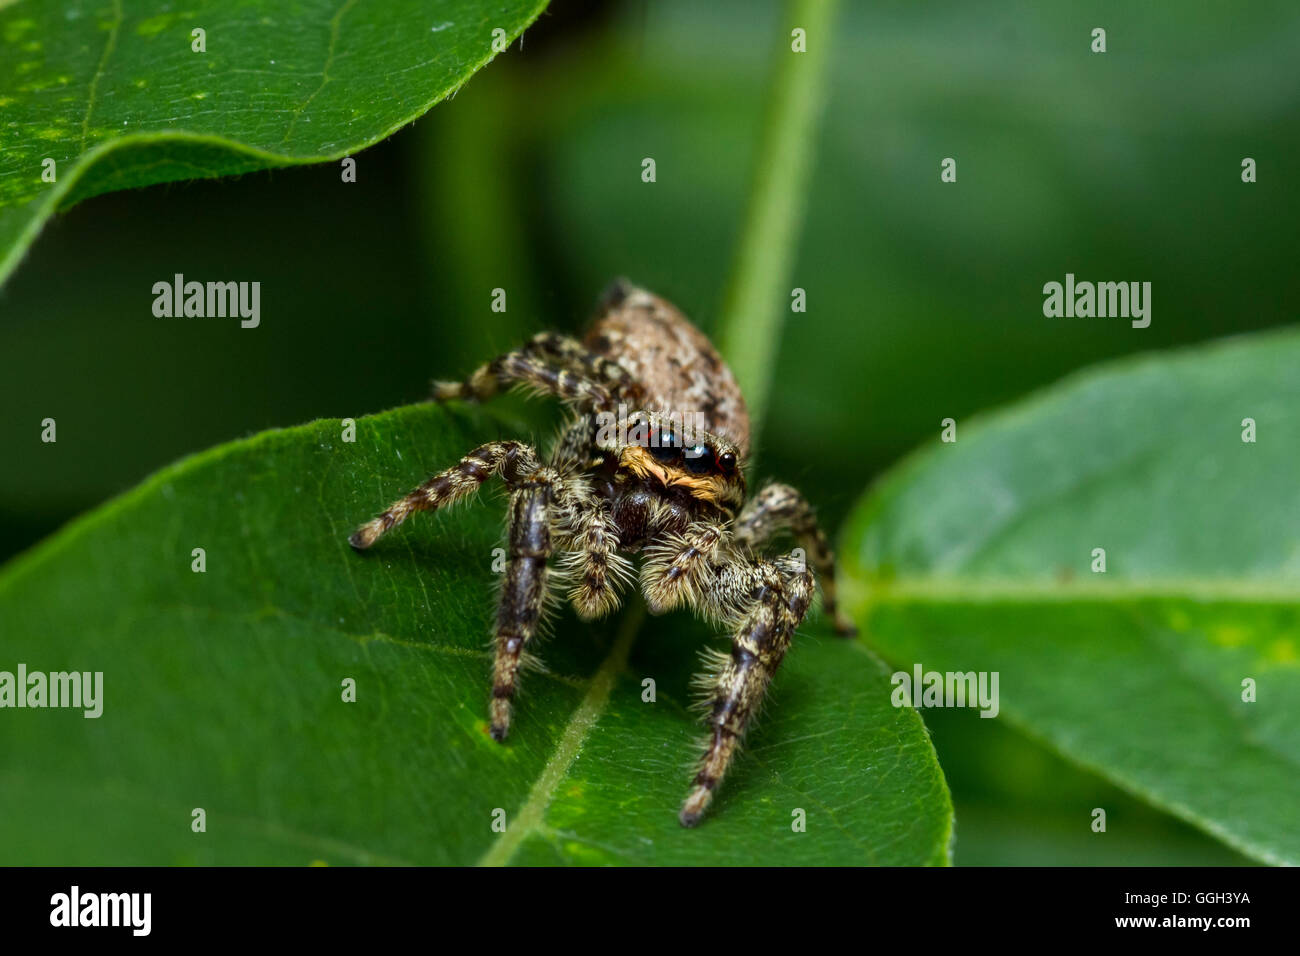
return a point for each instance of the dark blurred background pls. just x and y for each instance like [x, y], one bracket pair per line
[924, 298]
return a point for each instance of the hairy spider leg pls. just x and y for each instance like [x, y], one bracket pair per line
[550, 363]
[774, 596]
[512, 460]
[760, 600]
[523, 591]
[777, 508]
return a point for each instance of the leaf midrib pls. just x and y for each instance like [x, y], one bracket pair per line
[109, 46]
[585, 716]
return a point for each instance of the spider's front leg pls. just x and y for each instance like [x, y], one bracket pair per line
[511, 460]
[535, 491]
[761, 600]
[775, 595]
[523, 590]
[779, 508]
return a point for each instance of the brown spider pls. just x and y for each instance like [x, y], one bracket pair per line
[665, 481]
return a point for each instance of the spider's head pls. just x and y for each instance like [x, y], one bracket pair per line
[660, 449]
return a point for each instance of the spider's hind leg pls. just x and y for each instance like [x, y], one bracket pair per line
[536, 490]
[551, 363]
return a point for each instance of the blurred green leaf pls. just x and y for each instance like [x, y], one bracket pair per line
[118, 97]
[222, 690]
[978, 555]
[1019, 803]
[924, 298]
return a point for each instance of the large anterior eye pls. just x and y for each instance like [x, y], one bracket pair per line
[668, 448]
[699, 460]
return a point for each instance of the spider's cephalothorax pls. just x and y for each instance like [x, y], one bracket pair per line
[652, 466]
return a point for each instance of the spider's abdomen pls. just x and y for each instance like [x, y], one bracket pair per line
[674, 368]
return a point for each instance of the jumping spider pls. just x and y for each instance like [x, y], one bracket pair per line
[650, 487]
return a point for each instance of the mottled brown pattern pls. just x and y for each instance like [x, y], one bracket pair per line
[647, 491]
[676, 367]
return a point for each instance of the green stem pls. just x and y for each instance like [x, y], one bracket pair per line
[757, 293]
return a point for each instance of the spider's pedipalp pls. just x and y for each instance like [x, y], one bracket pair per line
[510, 459]
[593, 568]
[680, 569]
[777, 508]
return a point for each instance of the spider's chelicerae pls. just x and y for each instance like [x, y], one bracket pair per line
[644, 482]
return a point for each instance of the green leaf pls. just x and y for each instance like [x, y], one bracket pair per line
[978, 555]
[116, 95]
[222, 690]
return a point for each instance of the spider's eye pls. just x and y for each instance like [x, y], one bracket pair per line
[668, 447]
[699, 460]
[727, 463]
